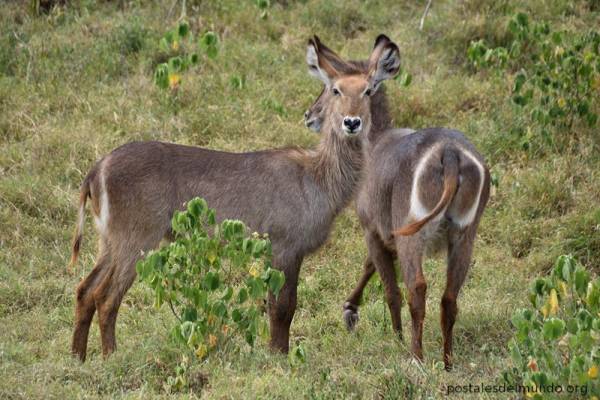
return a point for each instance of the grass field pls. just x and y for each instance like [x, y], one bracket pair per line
[77, 81]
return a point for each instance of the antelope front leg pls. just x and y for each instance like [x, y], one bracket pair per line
[384, 264]
[282, 308]
[351, 304]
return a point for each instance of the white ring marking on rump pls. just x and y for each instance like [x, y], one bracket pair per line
[469, 216]
[417, 209]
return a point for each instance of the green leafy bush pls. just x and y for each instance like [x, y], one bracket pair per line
[209, 44]
[215, 278]
[130, 38]
[557, 75]
[178, 43]
[557, 341]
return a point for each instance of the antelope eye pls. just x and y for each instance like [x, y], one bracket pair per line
[335, 92]
[368, 92]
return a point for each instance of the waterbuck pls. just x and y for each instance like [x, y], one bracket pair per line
[291, 194]
[435, 181]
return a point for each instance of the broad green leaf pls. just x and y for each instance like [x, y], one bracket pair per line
[190, 314]
[298, 355]
[250, 337]
[175, 64]
[539, 286]
[208, 43]
[256, 287]
[262, 4]
[209, 39]
[211, 281]
[581, 279]
[259, 248]
[572, 326]
[210, 217]
[196, 207]
[553, 328]
[242, 295]
[405, 79]
[161, 76]
[236, 315]
[276, 281]
[584, 320]
[219, 309]
[183, 29]
[592, 297]
[211, 52]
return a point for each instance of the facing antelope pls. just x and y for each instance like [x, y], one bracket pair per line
[291, 194]
[435, 181]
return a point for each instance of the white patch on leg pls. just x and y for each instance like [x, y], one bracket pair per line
[468, 217]
[102, 219]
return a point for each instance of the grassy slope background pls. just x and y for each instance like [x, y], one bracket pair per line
[76, 83]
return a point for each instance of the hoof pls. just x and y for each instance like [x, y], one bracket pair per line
[448, 362]
[350, 316]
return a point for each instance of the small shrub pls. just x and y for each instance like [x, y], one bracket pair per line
[557, 341]
[557, 75]
[178, 43]
[214, 277]
[209, 43]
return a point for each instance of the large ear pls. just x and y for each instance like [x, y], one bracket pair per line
[318, 65]
[331, 56]
[384, 62]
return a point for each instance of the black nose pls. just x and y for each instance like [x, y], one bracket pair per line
[352, 123]
[306, 114]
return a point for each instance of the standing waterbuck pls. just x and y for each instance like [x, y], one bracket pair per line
[435, 181]
[291, 194]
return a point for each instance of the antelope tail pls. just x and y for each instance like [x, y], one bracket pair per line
[78, 235]
[450, 163]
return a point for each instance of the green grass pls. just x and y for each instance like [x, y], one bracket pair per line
[77, 82]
